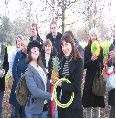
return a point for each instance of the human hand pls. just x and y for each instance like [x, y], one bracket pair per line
[52, 98]
[2, 73]
[112, 55]
[94, 57]
[60, 84]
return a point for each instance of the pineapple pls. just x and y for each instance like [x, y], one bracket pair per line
[54, 75]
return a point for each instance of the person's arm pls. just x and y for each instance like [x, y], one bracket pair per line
[75, 85]
[5, 63]
[32, 86]
[11, 60]
[91, 60]
[15, 67]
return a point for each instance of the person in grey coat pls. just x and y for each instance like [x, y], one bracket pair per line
[37, 84]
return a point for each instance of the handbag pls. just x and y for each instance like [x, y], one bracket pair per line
[110, 83]
[99, 84]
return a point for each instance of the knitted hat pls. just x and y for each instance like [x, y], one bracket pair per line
[93, 31]
[33, 44]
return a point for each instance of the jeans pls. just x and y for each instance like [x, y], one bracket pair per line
[17, 113]
[42, 115]
[1, 99]
[112, 112]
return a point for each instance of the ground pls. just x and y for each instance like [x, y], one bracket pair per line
[7, 108]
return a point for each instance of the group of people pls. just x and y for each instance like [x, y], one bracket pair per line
[33, 58]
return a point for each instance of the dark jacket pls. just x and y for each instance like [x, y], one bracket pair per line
[5, 66]
[50, 66]
[75, 77]
[38, 41]
[111, 94]
[55, 41]
[81, 50]
[19, 67]
[89, 99]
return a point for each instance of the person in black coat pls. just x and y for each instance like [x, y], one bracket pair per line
[47, 54]
[111, 94]
[4, 68]
[54, 36]
[35, 38]
[71, 67]
[93, 64]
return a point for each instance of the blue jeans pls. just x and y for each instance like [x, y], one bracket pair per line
[1, 99]
[41, 115]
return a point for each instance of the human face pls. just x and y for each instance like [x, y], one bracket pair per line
[18, 42]
[93, 37]
[48, 49]
[23, 48]
[35, 53]
[33, 31]
[66, 48]
[54, 29]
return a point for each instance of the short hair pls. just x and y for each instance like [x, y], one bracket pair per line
[46, 43]
[53, 22]
[36, 26]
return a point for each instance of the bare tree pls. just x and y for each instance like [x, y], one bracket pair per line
[59, 8]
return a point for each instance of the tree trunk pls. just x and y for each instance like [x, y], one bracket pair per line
[63, 21]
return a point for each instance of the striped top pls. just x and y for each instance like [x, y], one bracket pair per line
[65, 71]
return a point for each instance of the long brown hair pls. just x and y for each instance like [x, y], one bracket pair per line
[68, 39]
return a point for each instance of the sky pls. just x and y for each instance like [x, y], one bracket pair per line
[15, 12]
[14, 8]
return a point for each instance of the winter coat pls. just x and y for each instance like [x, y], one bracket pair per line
[81, 50]
[89, 99]
[111, 94]
[75, 77]
[55, 41]
[19, 67]
[36, 86]
[5, 66]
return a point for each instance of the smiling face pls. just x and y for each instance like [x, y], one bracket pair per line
[48, 49]
[18, 42]
[35, 53]
[93, 37]
[66, 48]
[23, 47]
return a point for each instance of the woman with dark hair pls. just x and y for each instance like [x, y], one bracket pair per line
[37, 84]
[94, 65]
[71, 67]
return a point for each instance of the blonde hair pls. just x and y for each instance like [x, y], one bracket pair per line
[25, 42]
